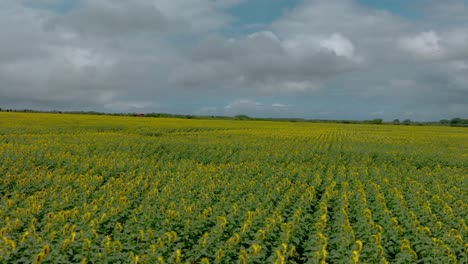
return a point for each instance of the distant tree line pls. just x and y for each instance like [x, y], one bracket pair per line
[457, 121]
[448, 122]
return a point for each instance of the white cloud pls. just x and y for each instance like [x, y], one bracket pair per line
[426, 45]
[430, 45]
[291, 86]
[263, 34]
[338, 44]
[301, 46]
[81, 58]
[279, 105]
[266, 63]
[248, 106]
[127, 105]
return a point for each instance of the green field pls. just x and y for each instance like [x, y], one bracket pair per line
[103, 189]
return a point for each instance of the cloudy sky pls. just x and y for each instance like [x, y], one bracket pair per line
[326, 59]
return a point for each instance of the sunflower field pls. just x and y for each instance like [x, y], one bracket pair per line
[108, 189]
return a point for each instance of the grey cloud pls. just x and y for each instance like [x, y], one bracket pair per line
[433, 46]
[99, 17]
[325, 16]
[265, 63]
[323, 59]
[250, 107]
[116, 17]
[446, 14]
[61, 69]
[243, 106]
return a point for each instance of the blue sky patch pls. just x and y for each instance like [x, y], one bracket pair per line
[255, 15]
[63, 6]
[404, 8]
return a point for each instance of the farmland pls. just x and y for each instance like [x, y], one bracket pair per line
[96, 189]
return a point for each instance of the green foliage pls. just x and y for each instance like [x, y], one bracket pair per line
[407, 122]
[115, 189]
[242, 117]
[376, 121]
